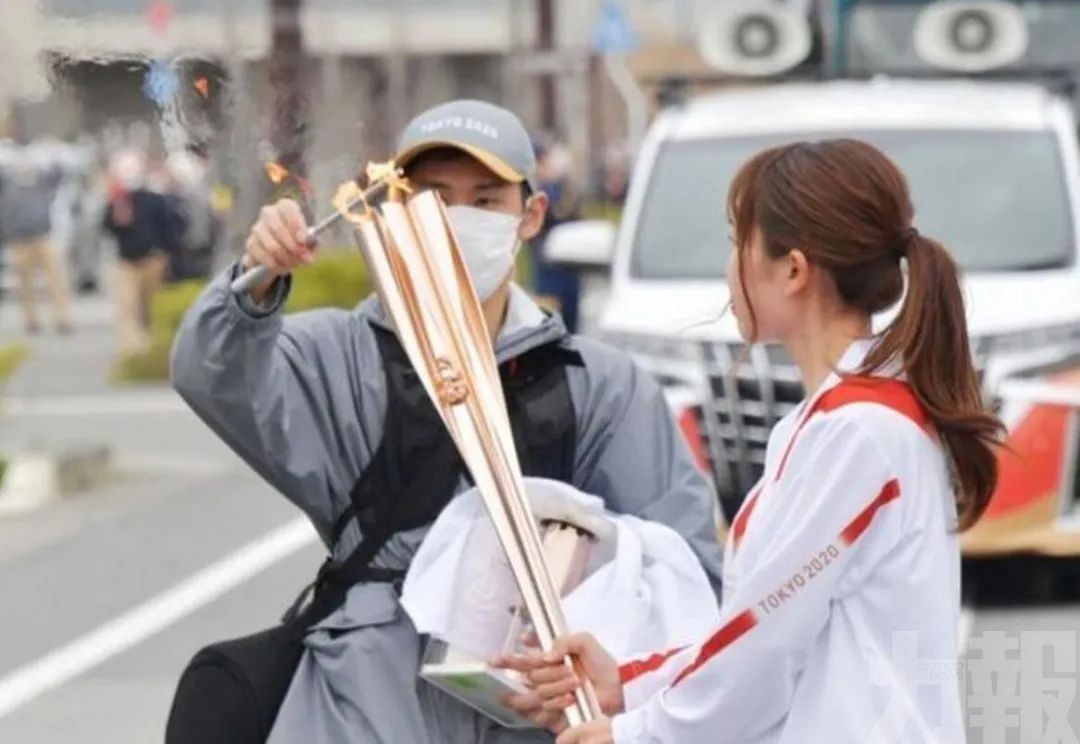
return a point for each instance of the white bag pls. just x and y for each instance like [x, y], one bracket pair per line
[644, 588]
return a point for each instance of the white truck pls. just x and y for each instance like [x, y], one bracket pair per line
[994, 171]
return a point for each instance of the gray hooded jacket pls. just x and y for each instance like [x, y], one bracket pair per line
[302, 400]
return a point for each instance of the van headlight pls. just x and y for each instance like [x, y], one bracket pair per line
[672, 361]
[656, 347]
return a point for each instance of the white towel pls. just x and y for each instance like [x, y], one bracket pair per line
[645, 589]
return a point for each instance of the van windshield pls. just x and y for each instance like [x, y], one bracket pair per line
[996, 199]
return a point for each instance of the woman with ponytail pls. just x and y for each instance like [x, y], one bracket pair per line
[842, 578]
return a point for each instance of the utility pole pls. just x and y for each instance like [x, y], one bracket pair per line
[289, 124]
[545, 17]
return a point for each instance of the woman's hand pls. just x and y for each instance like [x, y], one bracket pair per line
[553, 683]
[593, 732]
[531, 706]
[550, 689]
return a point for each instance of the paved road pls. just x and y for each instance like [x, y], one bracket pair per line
[184, 504]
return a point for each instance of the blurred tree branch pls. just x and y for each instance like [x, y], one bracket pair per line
[289, 127]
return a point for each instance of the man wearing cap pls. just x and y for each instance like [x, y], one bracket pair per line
[325, 406]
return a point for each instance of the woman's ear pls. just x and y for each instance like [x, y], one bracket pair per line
[532, 219]
[798, 272]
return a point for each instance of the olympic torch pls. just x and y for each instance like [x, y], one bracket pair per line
[424, 287]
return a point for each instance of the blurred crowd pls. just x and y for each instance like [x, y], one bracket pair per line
[80, 217]
[556, 285]
[84, 217]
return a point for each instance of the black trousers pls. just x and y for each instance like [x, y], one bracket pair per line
[231, 691]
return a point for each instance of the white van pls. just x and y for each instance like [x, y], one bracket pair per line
[994, 172]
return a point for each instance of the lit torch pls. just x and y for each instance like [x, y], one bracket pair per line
[353, 200]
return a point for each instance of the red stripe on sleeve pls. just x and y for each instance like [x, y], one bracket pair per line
[791, 443]
[858, 525]
[739, 625]
[721, 639]
[738, 527]
[631, 670]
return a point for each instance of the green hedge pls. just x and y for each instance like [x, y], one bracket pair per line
[603, 211]
[337, 279]
[11, 356]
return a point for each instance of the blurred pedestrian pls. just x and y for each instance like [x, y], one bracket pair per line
[196, 225]
[559, 284]
[89, 197]
[140, 219]
[76, 209]
[26, 198]
[615, 175]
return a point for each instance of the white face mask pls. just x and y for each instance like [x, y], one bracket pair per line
[489, 244]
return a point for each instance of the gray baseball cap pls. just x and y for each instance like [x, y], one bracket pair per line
[491, 134]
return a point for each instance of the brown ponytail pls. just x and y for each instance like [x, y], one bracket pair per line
[930, 336]
[846, 206]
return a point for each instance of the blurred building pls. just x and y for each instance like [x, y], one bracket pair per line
[77, 64]
[172, 73]
[90, 60]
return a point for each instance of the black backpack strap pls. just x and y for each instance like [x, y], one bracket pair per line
[413, 433]
[331, 585]
[417, 468]
[542, 415]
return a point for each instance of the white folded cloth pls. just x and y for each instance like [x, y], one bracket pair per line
[644, 587]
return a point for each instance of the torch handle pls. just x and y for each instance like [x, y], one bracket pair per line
[247, 280]
[258, 274]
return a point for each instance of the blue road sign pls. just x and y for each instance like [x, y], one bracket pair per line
[612, 33]
[161, 82]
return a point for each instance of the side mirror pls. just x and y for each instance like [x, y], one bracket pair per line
[585, 244]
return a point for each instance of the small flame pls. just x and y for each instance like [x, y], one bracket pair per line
[276, 172]
[391, 174]
[348, 198]
[202, 85]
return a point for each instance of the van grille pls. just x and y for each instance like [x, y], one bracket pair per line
[748, 392]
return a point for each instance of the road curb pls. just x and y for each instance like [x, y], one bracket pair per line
[34, 479]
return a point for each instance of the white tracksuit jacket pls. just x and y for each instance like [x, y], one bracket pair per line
[841, 591]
